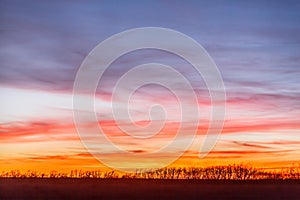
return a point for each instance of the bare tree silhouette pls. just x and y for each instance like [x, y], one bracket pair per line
[229, 172]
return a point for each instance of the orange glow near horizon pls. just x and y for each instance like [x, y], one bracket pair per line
[46, 146]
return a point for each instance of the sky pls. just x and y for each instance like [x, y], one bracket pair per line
[255, 45]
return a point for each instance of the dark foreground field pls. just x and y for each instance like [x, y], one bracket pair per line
[146, 189]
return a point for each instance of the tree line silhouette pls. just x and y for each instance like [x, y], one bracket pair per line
[230, 172]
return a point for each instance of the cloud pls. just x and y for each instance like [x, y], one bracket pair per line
[58, 157]
[251, 145]
[16, 133]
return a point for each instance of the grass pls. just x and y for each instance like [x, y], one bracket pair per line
[99, 188]
[217, 182]
[229, 172]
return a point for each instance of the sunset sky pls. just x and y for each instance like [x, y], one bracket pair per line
[255, 44]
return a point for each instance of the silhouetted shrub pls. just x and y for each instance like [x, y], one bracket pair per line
[229, 172]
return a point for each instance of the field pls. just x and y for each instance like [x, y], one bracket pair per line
[74, 188]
